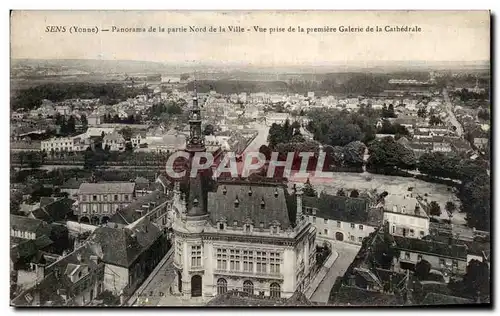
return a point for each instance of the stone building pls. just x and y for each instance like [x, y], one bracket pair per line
[97, 202]
[238, 235]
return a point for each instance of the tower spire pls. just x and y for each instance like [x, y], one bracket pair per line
[195, 142]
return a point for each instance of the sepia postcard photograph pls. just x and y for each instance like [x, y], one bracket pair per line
[250, 159]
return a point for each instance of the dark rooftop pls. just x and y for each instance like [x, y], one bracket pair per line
[442, 299]
[431, 247]
[129, 214]
[57, 210]
[121, 246]
[255, 201]
[355, 296]
[32, 225]
[343, 208]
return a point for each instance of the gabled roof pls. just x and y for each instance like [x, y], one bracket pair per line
[222, 205]
[32, 225]
[54, 211]
[342, 208]
[106, 188]
[129, 214]
[439, 249]
[122, 246]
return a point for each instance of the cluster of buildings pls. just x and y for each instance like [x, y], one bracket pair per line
[226, 237]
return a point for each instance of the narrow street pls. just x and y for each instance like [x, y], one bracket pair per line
[158, 289]
[451, 115]
[346, 253]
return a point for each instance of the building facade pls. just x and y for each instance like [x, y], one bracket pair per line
[342, 218]
[97, 202]
[407, 223]
[238, 235]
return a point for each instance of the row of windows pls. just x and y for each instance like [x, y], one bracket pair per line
[442, 262]
[248, 228]
[94, 198]
[249, 261]
[93, 209]
[339, 223]
[248, 287]
[22, 234]
[410, 232]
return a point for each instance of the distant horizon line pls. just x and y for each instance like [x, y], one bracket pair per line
[243, 63]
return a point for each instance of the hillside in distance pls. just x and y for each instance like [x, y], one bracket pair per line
[226, 69]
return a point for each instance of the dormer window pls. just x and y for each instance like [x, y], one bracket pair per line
[262, 204]
[224, 190]
[248, 228]
[250, 191]
[276, 192]
[221, 226]
[235, 223]
[195, 202]
[274, 229]
[236, 202]
[261, 224]
[79, 274]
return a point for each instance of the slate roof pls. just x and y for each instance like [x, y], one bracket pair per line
[355, 296]
[222, 205]
[442, 299]
[53, 282]
[55, 211]
[439, 249]
[343, 208]
[107, 188]
[32, 225]
[122, 246]
[72, 183]
[129, 214]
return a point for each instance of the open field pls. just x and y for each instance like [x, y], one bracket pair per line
[394, 185]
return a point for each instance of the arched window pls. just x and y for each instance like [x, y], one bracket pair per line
[275, 290]
[221, 286]
[248, 287]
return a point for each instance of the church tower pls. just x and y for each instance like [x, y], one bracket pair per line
[196, 142]
[196, 198]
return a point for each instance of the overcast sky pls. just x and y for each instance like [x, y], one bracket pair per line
[446, 36]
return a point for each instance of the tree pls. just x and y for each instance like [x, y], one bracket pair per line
[266, 151]
[422, 270]
[354, 193]
[434, 209]
[435, 120]
[209, 129]
[422, 112]
[70, 125]
[477, 278]
[83, 120]
[450, 207]
[386, 155]
[308, 189]
[340, 192]
[354, 153]
[483, 114]
[126, 133]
